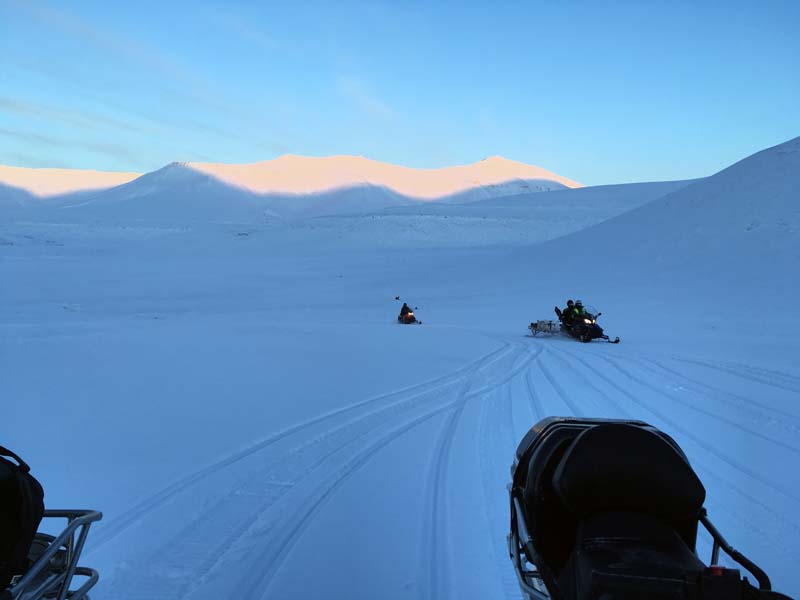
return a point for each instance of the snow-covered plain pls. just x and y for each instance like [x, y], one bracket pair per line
[235, 395]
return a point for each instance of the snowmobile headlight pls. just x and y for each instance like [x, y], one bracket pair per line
[588, 321]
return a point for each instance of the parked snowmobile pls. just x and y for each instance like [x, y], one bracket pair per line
[609, 509]
[584, 327]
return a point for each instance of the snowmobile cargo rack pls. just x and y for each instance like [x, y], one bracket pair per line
[55, 561]
[589, 515]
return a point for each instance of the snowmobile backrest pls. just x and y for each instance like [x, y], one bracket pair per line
[537, 435]
[617, 466]
[551, 524]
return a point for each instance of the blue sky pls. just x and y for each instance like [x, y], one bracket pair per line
[601, 92]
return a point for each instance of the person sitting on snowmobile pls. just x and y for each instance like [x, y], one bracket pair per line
[579, 310]
[406, 315]
[567, 313]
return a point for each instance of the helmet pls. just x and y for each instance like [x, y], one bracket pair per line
[570, 303]
[578, 303]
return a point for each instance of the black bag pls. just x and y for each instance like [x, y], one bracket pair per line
[21, 510]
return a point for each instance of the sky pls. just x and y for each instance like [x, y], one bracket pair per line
[600, 92]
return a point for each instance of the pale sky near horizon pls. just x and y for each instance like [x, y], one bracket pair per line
[600, 92]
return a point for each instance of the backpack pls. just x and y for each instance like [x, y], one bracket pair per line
[21, 511]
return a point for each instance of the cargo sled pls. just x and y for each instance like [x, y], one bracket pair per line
[609, 509]
[545, 327]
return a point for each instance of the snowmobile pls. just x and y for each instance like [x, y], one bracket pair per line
[609, 509]
[585, 327]
[53, 561]
[407, 318]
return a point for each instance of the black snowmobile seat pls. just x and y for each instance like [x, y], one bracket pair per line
[627, 555]
[621, 467]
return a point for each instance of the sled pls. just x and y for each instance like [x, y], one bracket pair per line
[548, 327]
[604, 508]
[54, 561]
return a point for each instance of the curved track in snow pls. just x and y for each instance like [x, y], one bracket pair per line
[250, 542]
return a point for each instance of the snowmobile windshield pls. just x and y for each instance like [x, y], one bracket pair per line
[592, 310]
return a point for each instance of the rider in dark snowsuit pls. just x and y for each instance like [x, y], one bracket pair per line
[568, 313]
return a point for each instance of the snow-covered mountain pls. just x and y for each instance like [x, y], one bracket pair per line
[292, 174]
[173, 193]
[45, 183]
[292, 186]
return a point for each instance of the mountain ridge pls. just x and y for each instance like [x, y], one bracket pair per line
[300, 175]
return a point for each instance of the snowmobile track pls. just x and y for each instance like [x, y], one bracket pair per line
[695, 407]
[118, 525]
[756, 375]
[674, 426]
[275, 553]
[578, 374]
[497, 437]
[535, 403]
[738, 401]
[256, 583]
[560, 391]
[437, 482]
[437, 527]
[260, 494]
[697, 461]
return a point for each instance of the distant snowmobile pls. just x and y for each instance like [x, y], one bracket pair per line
[584, 327]
[609, 509]
[406, 316]
[407, 319]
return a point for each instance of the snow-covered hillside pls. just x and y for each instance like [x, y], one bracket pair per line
[14, 199]
[520, 219]
[725, 244]
[54, 182]
[240, 402]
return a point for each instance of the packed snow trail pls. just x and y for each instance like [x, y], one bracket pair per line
[376, 457]
[255, 537]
